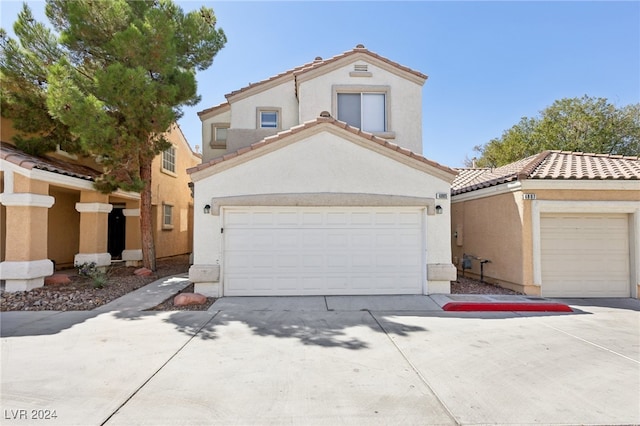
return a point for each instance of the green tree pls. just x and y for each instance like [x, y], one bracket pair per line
[111, 76]
[23, 79]
[572, 124]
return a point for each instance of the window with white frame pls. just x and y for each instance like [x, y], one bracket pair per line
[167, 216]
[269, 118]
[169, 159]
[365, 110]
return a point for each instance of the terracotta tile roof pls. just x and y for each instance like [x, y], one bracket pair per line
[212, 109]
[13, 155]
[320, 120]
[561, 165]
[316, 63]
[319, 62]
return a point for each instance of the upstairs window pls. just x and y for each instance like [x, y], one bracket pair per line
[169, 159]
[219, 135]
[269, 118]
[366, 111]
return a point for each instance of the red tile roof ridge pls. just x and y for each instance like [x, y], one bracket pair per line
[529, 168]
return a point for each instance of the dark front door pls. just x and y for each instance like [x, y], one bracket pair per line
[117, 233]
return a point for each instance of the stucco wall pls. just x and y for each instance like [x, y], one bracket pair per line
[491, 229]
[244, 111]
[499, 227]
[207, 151]
[173, 189]
[404, 100]
[64, 232]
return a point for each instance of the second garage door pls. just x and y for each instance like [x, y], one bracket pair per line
[323, 251]
[585, 255]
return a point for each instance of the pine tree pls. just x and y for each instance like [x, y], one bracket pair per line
[109, 79]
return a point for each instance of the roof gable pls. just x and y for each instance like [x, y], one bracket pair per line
[317, 67]
[559, 165]
[323, 123]
[320, 67]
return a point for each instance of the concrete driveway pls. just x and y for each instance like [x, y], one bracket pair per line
[317, 360]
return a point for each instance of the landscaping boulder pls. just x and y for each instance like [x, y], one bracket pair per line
[184, 299]
[143, 272]
[57, 279]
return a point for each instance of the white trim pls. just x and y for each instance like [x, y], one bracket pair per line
[25, 270]
[8, 181]
[131, 212]
[129, 255]
[546, 206]
[503, 188]
[94, 207]
[100, 259]
[25, 199]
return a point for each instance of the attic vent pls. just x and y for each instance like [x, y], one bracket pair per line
[361, 68]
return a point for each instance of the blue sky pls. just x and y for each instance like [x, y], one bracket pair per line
[489, 63]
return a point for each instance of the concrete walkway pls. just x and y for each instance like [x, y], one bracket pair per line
[321, 360]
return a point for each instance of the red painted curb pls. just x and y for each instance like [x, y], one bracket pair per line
[505, 306]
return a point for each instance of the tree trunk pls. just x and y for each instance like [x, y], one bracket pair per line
[146, 222]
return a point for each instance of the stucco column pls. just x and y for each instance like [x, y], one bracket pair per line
[26, 263]
[94, 211]
[132, 255]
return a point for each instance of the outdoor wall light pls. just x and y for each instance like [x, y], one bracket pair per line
[207, 209]
[438, 209]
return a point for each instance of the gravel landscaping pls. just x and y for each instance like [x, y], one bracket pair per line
[465, 285]
[81, 295]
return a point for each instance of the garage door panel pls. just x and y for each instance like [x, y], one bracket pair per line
[585, 255]
[323, 251]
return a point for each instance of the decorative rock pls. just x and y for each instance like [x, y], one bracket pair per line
[143, 272]
[57, 279]
[184, 299]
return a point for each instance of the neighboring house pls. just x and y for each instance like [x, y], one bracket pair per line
[50, 214]
[313, 183]
[557, 224]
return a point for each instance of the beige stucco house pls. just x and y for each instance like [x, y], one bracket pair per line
[313, 182]
[51, 216]
[557, 224]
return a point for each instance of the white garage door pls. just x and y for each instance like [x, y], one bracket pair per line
[585, 255]
[323, 251]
